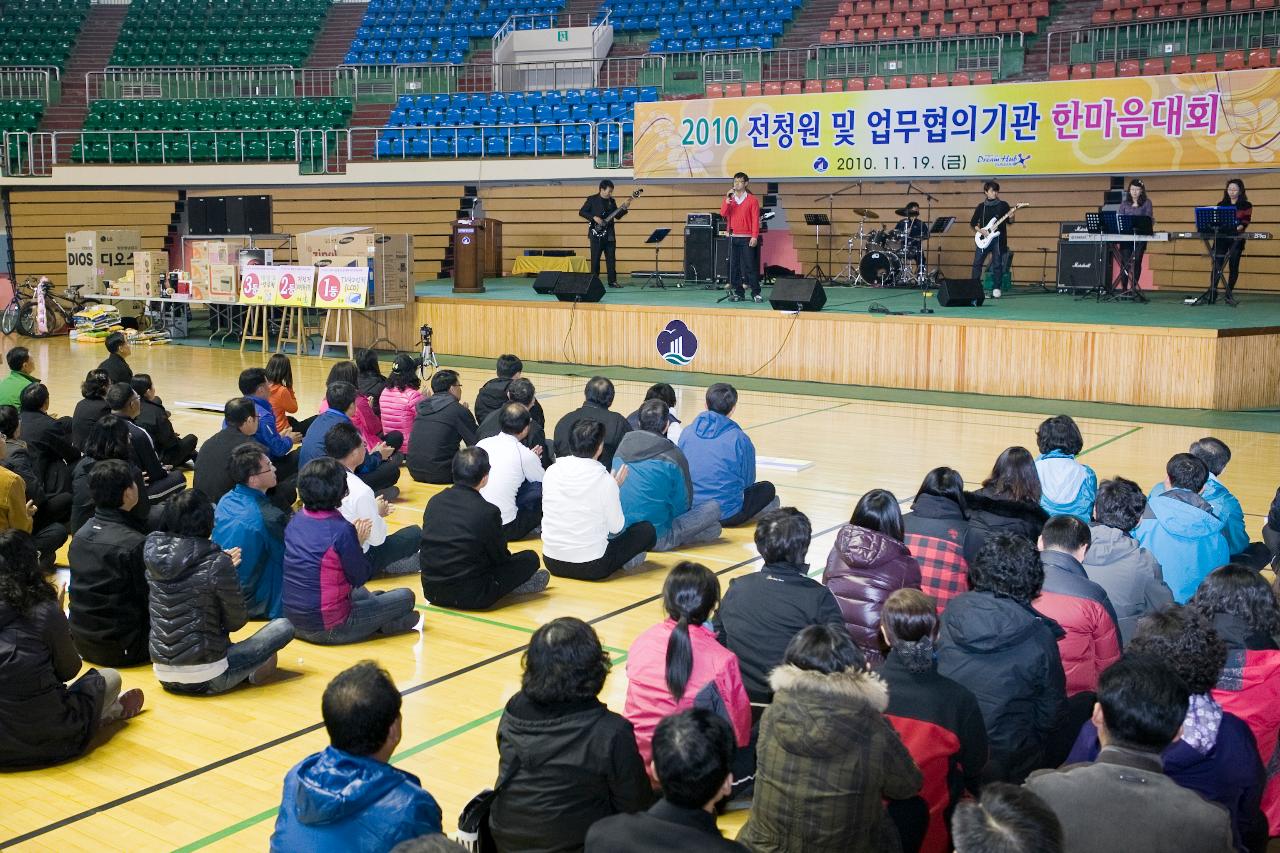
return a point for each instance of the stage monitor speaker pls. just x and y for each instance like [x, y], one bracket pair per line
[578, 287]
[235, 215]
[257, 214]
[699, 258]
[197, 216]
[797, 294]
[1081, 266]
[961, 293]
[546, 282]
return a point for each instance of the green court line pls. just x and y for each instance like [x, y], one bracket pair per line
[229, 831]
[1102, 444]
[431, 608]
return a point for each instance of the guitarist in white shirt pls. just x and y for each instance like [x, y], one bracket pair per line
[992, 207]
[602, 211]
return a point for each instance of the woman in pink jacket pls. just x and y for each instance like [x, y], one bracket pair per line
[399, 400]
[678, 663]
[365, 420]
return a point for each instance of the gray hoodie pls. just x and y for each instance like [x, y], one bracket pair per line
[1129, 573]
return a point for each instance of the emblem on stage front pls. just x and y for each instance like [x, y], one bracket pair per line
[676, 344]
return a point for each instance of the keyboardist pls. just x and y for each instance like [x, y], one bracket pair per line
[1226, 250]
[1136, 203]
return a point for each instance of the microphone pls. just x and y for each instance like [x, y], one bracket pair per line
[728, 195]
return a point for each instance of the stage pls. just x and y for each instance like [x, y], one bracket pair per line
[1027, 344]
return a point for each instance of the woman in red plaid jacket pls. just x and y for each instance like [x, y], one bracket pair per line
[938, 532]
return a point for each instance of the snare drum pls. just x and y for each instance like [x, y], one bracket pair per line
[880, 269]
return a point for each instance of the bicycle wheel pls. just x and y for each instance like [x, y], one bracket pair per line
[27, 321]
[9, 319]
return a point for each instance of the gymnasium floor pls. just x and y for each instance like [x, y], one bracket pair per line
[193, 773]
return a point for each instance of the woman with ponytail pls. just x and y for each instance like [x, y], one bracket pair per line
[938, 720]
[678, 663]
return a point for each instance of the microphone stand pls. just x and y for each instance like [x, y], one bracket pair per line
[729, 229]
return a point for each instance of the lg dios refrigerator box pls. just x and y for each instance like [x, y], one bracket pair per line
[97, 256]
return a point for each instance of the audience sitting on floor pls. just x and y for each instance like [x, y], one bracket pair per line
[280, 393]
[564, 759]
[18, 513]
[658, 488]
[442, 423]
[239, 426]
[582, 510]
[938, 720]
[827, 759]
[993, 643]
[109, 439]
[1215, 455]
[692, 754]
[369, 380]
[398, 402]
[50, 526]
[390, 553]
[110, 618]
[515, 474]
[664, 392]
[598, 398]
[763, 610]
[248, 522]
[522, 391]
[43, 719]
[22, 368]
[1009, 500]
[49, 439]
[161, 483]
[1123, 800]
[1129, 574]
[116, 364]
[365, 417]
[1067, 486]
[380, 469]
[196, 603]
[325, 568]
[678, 664]
[867, 564]
[1005, 819]
[1091, 635]
[1180, 530]
[722, 461]
[152, 417]
[348, 796]
[464, 559]
[92, 405]
[496, 392]
[253, 385]
[1216, 755]
[938, 533]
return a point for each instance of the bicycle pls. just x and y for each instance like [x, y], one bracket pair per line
[23, 311]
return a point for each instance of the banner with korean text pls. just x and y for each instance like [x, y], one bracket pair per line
[342, 287]
[1133, 125]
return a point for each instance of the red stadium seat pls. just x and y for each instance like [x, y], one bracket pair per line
[875, 21]
[733, 90]
[866, 34]
[826, 37]
[936, 16]
[959, 16]
[1130, 68]
[1259, 57]
[1215, 7]
[1059, 72]
[1145, 13]
[946, 30]
[960, 78]
[714, 90]
[1019, 10]
[999, 13]
[792, 87]
[902, 6]
[863, 7]
[987, 27]
[1167, 11]
[1233, 60]
[893, 19]
[885, 34]
[898, 82]
[926, 31]
[1240, 5]
[1007, 25]
[968, 28]
[836, 23]
[845, 7]
[847, 36]
[855, 84]
[919, 5]
[919, 81]
[875, 84]
[1028, 26]
[1189, 9]
[751, 90]
[856, 22]
[1104, 70]
[940, 5]
[979, 14]
[1180, 65]
[812, 87]
[1120, 15]
[1102, 16]
[905, 33]
[1264, 4]
[773, 87]
[912, 19]
[982, 78]
[1082, 71]
[1152, 67]
[939, 80]
[833, 85]
[1207, 62]
[882, 6]
[1040, 9]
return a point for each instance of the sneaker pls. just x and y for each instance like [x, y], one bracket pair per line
[757, 298]
[614, 284]
[537, 583]
[635, 562]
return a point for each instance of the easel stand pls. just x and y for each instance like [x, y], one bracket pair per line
[256, 327]
[339, 317]
[293, 330]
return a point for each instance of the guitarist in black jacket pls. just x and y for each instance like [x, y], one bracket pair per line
[602, 211]
[992, 207]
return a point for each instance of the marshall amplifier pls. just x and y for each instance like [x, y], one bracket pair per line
[1081, 266]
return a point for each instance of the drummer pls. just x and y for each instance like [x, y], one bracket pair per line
[911, 230]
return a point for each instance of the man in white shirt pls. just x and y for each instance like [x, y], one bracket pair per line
[394, 554]
[515, 474]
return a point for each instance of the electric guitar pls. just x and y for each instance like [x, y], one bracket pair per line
[983, 242]
[602, 231]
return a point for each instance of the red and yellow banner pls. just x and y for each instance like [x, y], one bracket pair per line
[1171, 123]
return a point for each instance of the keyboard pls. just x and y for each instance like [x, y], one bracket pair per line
[1248, 235]
[1079, 237]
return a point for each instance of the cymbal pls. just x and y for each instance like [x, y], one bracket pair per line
[865, 213]
[902, 211]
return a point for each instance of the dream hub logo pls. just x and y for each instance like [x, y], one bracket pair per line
[676, 344]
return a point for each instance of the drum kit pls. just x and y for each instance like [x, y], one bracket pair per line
[888, 257]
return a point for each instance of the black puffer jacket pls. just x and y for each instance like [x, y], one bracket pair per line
[439, 424]
[864, 568]
[493, 396]
[109, 616]
[195, 599]
[989, 515]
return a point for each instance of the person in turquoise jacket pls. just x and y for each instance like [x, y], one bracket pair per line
[1180, 529]
[246, 518]
[1215, 454]
[1067, 487]
[722, 461]
[348, 798]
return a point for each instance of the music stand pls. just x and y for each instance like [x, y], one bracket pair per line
[1218, 221]
[940, 226]
[658, 278]
[1212, 223]
[817, 220]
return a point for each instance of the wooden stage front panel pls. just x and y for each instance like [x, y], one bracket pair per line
[1136, 365]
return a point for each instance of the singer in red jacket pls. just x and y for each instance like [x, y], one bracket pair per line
[741, 210]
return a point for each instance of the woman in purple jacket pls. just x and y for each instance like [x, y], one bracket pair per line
[325, 569]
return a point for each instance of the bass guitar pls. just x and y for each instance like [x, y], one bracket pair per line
[602, 231]
[983, 242]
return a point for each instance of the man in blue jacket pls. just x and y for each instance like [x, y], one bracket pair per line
[247, 519]
[378, 473]
[1181, 530]
[658, 488]
[722, 461]
[253, 384]
[348, 798]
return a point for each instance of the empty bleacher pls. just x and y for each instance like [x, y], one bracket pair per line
[690, 26]
[885, 20]
[219, 32]
[40, 32]
[401, 32]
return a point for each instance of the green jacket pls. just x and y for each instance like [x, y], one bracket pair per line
[11, 388]
[826, 760]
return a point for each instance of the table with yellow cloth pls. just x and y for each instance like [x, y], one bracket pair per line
[534, 264]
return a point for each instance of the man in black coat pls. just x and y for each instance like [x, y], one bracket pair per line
[19, 458]
[118, 349]
[521, 391]
[213, 466]
[173, 451]
[692, 756]
[49, 440]
[599, 397]
[109, 614]
[441, 422]
[464, 556]
[495, 393]
[161, 483]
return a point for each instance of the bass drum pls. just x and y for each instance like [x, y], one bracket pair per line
[879, 269]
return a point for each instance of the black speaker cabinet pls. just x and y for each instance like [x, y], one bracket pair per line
[1081, 266]
[241, 214]
[797, 294]
[546, 282]
[961, 293]
[706, 257]
[578, 287]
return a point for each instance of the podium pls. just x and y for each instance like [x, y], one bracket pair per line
[477, 249]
